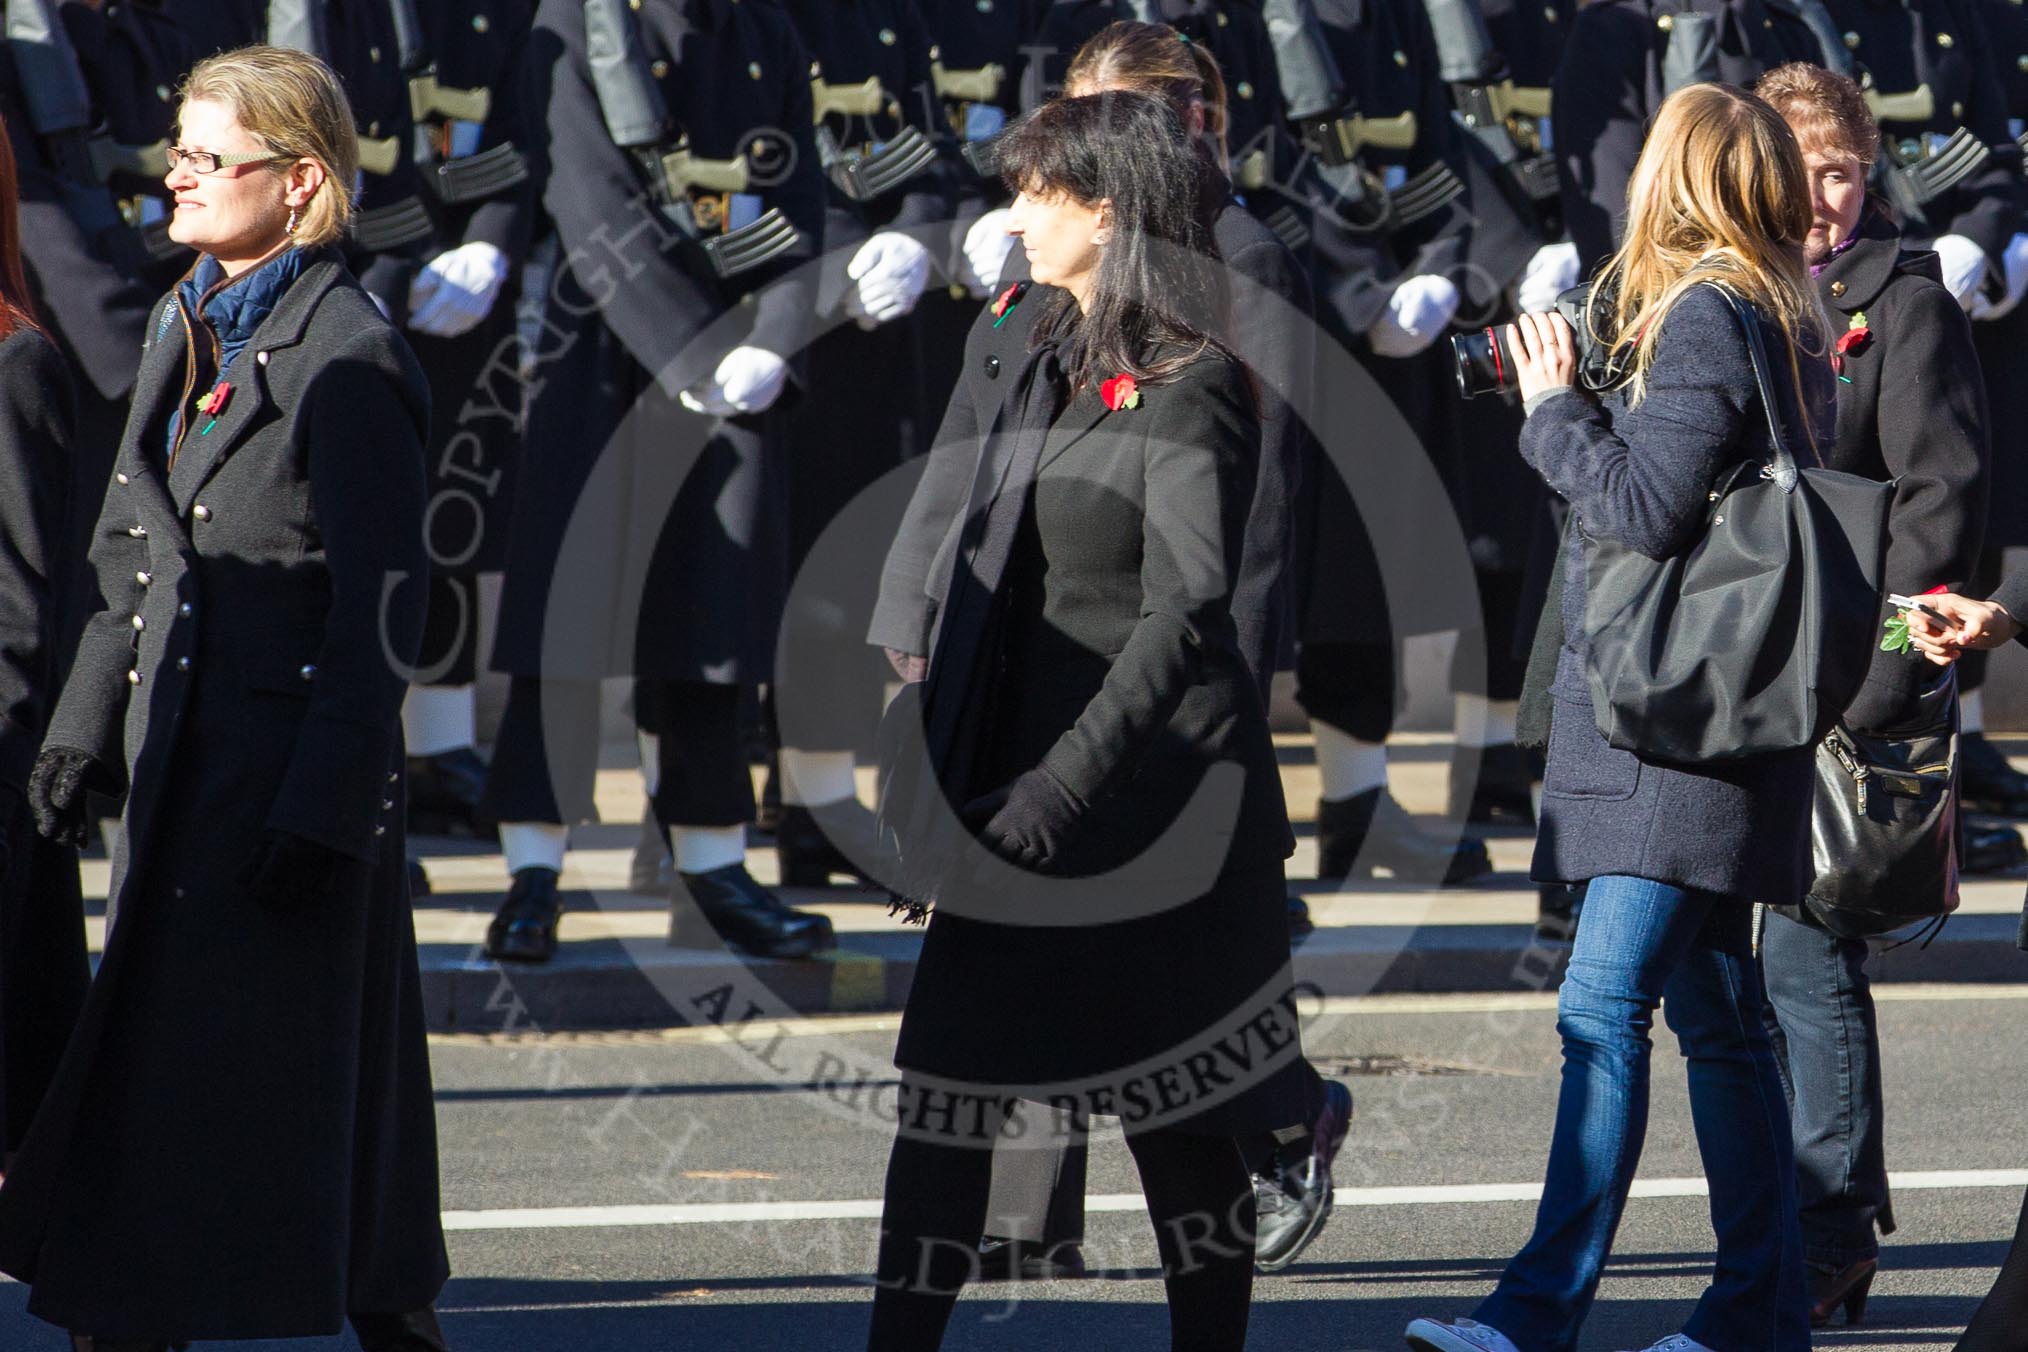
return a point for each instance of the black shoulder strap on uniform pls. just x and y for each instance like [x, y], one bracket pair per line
[637, 117]
[302, 24]
[1465, 52]
[52, 82]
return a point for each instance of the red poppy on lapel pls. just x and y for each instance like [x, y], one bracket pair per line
[1009, 298]
[214, 403]
[1122, 391]
[1852, 340]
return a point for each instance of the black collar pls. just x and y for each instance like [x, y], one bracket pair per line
[1855, 278]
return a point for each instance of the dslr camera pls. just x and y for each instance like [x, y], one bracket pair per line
[1485, 363]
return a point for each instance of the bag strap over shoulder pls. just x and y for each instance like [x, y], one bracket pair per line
[1783, 471]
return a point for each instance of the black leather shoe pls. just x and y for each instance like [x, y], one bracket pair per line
[807, 842]
[652, 873]
[417, 1331]
[1490, 786]
[1370, 830]
[1992, 849]
[444, 792]
[1301, 926]
[1847, 1287]
[1023, 1260]
[1293, 1200]
[524, 930]
[1987, 783]
[728, 904]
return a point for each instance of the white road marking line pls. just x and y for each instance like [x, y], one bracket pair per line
[735, 1213]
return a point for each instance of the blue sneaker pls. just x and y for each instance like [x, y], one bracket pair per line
[1457, 1335]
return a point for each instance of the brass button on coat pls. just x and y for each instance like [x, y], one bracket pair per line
[1837, 288]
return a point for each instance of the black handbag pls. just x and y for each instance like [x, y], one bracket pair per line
[1755, 638]
[1884, 823]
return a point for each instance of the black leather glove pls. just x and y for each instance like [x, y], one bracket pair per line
[1028, 822]
[57, 797]
[288, 872]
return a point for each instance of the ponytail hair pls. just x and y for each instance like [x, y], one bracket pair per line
[1155, 59]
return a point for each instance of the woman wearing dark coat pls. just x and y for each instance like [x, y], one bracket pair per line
[1674, 854]
[43, 969]
[1088, 710]
[1911, 408]
[193, 1173]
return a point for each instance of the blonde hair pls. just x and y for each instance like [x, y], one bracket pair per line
[1718, 195]
[292, 104]
[1825, 110]
[1153, 58]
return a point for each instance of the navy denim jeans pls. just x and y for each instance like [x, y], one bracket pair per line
[1827, 1043]
[1644, 943]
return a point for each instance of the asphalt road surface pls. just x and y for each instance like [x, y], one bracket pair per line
[671, 1191]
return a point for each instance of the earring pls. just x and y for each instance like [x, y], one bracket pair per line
[292, 220]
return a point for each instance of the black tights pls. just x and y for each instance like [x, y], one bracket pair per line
[2001, 1325]
[1199, 1198]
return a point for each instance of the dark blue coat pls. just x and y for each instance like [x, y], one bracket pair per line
[1641, 475]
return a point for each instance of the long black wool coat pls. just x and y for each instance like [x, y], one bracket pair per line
[240, 1141]
[1113, 666]
[1915, 411]
[43, 970]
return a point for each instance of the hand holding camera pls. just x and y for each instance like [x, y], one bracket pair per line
[1545, 353]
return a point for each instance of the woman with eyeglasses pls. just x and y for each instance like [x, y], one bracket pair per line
[239, 1141]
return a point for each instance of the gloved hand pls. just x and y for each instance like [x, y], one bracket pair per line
[2014, 260]
[1551, 272]
[56, 794]
[1964, 270]
[455, 290]
[987, 245]
[1027, 822]
[289, 873]
[889, 273]
[1416, 316]
[748, 380]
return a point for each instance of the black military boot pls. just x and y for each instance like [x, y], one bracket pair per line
[1556, 909]
[524, 930]
[1490, 786]
[444, 792]
[1370, 830]
[1301, 926]
[417, 1331]
[1987, 783]
[652, 872]
[1992, 849]
[808, 841]
[727, 904]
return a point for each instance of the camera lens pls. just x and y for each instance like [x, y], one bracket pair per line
[1484, 364]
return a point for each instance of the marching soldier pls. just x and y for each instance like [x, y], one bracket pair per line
[647, 535]
[475, 180]
[1412, 233]
[889, 200]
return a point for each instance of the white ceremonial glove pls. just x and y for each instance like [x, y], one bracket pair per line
[455, 290]
[1964, 270]
[748, 380]
[889, 273]
[1416, 316]
[987, 245]
[2014, 259]
[1551, 272]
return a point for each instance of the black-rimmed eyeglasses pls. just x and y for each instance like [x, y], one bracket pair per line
[210, 161]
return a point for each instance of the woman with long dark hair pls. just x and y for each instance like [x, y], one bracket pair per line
[43, 969]
[1675, 854]
[1084, 682]
[193, 1173]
